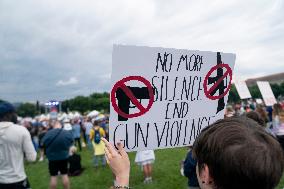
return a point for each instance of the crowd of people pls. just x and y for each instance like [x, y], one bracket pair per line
[56, 139]
[241, 151]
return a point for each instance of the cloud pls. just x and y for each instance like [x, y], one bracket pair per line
[45, 41]
[70, 81]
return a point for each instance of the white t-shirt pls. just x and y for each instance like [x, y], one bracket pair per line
[15, 143]
[88, 126]
[146, 155]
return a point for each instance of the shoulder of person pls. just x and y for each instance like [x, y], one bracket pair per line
[48, 133]
[20, 129]
[92, 131]
[66, 132]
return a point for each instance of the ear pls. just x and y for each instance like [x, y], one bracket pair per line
[204, 175]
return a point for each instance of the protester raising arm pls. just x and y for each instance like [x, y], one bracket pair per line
[119, 163]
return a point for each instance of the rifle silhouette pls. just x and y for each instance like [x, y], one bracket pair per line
[221, 87]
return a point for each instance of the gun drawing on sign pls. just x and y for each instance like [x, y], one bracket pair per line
[124, 101]
[222, 86]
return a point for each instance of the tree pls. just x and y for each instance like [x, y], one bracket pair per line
[79, 103]
[254, 91]
[99, 95]
[277, 91]
[27, 110]
[233, 95]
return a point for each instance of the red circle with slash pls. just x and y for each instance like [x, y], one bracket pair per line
[121, 84]
[208, 91]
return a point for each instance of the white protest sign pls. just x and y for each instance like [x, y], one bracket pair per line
[266, 93]
[163, 98]
[242, 89]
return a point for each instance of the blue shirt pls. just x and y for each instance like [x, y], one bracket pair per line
[190, 170]
[59, 148]
[76, 130]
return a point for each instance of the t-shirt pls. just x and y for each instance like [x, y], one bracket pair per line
[59, 148]
[76, 130]
[145, 155]
[189, 168]
[101, 130]
[15, 143]
[98, 148]
[88, 126]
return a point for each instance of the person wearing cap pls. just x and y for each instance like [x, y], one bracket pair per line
[67, 125]
[15, 144]
[57, 142]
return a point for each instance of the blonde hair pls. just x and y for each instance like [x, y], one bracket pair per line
[72, 150]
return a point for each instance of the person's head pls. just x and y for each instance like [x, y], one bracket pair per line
[96, 123]
[277, 109]
[57, 125]
[88, 119]
[247, 108]
[229, 112]
[76, 120]
[66, 120]
[72, 150]
[262, 112]
[237, 153]
[7, 112]
[256, 117]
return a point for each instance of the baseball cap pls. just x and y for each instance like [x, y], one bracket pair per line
[6, 107]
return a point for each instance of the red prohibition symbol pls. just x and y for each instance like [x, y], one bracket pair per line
[208, 91]
[121, 84]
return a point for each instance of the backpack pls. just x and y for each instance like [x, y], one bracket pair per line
[97, 138]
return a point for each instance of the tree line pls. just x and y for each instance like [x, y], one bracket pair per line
[101, 101]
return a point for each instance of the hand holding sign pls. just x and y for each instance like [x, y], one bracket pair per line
[119, 163]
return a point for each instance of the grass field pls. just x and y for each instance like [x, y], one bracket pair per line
[166, 173]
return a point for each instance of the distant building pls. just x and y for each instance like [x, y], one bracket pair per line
[274, 78]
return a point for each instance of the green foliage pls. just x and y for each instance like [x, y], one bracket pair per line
[233, 94]
[277, 89]
[98, 101]
[254, 91]
[80, 103]
[99, 95]
[27, 109]
[165, 173]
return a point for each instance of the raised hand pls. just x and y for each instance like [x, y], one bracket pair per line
[118, 162]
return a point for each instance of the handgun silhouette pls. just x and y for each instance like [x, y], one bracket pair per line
[124, 101]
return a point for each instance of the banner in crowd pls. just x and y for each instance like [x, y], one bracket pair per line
[242, 89]
[266, 93]
[164, 97]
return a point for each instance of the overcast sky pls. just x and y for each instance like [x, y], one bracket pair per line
[61, 49]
